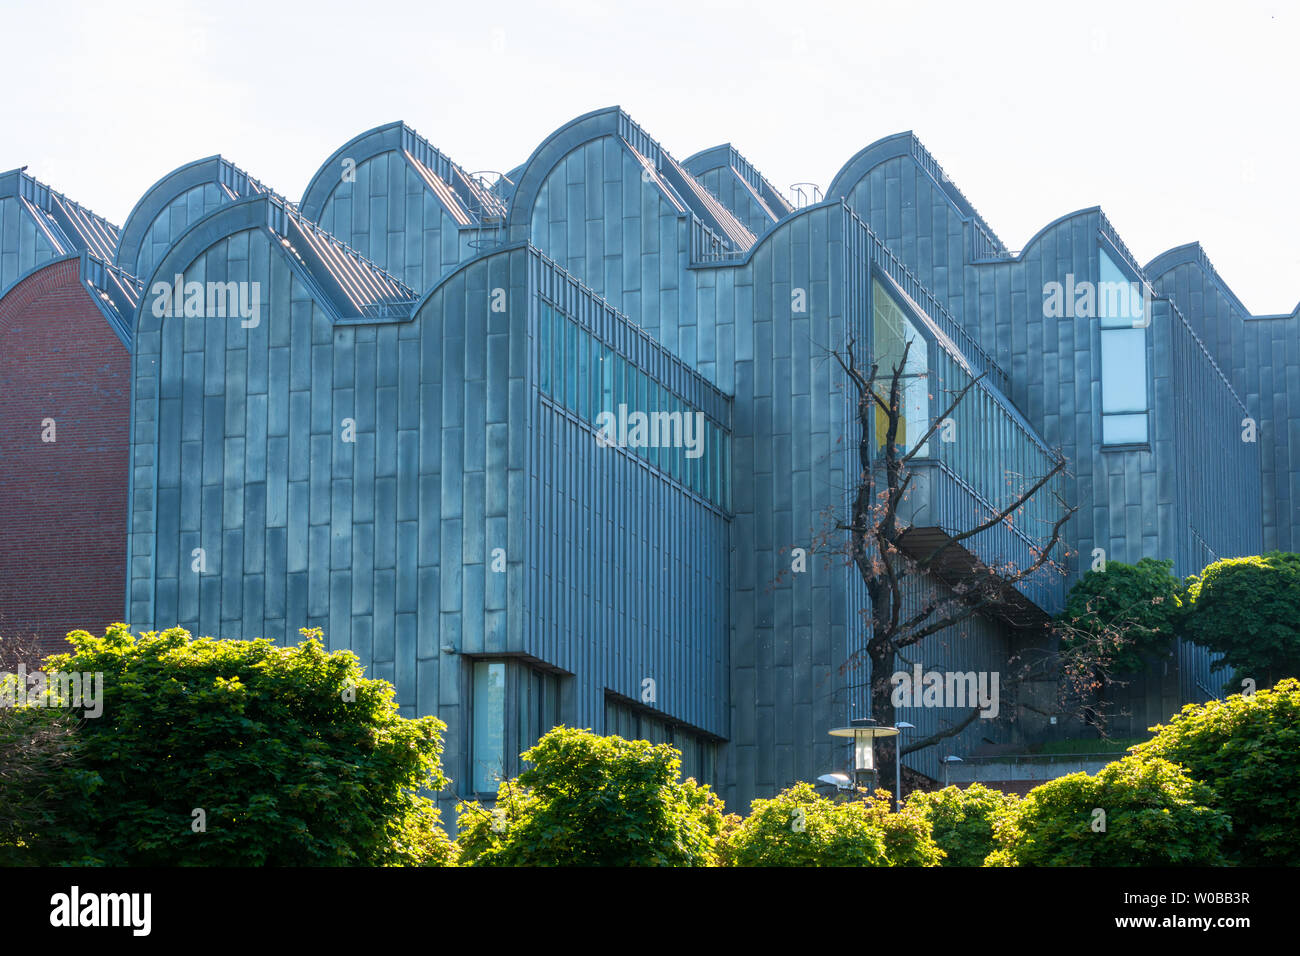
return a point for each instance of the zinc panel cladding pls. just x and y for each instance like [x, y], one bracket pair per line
[23, 245]
[774, 368]
[1260, 355]
[177, 216]
[388, 542]
[628, 569]
[791, 634]
[386, 211]
[1054, 364]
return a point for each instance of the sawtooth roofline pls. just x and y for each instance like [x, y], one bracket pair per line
[235, 182]
[332, 270]
[463, 198]
[680, 187]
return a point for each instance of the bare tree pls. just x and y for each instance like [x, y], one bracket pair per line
[910, 600]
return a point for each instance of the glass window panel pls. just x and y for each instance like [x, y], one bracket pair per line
[656, 436]
[1123, 370]
[607, 381]
[1123, 429]
[726, 471]
[1119, 299]
[696, 475]
[489, 724]
[639, 404]
[558, 324]
[584, 374]
[916, 403]
[544, 350]
[710, 462]
[892, 329]
[620, 383]
[570, 366]
[718, 478]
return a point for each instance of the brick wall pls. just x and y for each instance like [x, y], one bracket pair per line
[62, 503]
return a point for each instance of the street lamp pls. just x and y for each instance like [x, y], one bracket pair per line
[864, 731]
[898, 766]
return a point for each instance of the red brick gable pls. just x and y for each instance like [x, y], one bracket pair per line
[62, 503]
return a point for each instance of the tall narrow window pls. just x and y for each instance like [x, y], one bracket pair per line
[544, 349]
[1120, 310]
[489, 751]
[892, 330]
[539, 705]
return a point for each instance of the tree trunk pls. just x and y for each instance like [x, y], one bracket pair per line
[882, 710]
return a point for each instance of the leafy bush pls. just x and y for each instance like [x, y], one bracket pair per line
[962, 820]
[799, 827]
[1248, 609]
[1122, 614]
[589, 800]
[36, 747]
[1155, 815]
[292, 757]
[1248, 750]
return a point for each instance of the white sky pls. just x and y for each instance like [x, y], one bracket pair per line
[1179, 119]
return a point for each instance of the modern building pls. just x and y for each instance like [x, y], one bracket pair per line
[540, 446]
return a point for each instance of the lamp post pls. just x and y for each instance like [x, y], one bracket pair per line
[898, 765]
[864, 732]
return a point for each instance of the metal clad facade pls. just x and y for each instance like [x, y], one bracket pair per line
[465, 455]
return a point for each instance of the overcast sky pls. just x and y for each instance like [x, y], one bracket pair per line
[1179, 119]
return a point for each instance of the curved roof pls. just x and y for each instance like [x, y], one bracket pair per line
[468, 201]
[232, 182]
[351, 286]
[907, 144]
[1193, 253]
[681, 189]
[69, 226]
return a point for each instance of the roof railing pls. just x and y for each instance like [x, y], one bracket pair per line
[805, 194]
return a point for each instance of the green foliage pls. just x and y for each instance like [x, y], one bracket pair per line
[799, 827]
[1248, 609]
[36, 747]
[292, 755]
[962, 820]
[1122, 614]
[589, 800]
[1155, 815]
[1248, 750]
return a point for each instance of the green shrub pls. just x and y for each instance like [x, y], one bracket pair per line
[1248, 609]
[962, 820]
[291, 755]
[1120, 615]
[589, 800]
[1248, 750]
[37, 748]
[799, 827]
[1155, 815]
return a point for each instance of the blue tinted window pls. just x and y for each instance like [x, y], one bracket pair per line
[489, 725]
[544, 349]
[1123, 370]
[1123, 429]
[570, 365]
[1119, 299]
